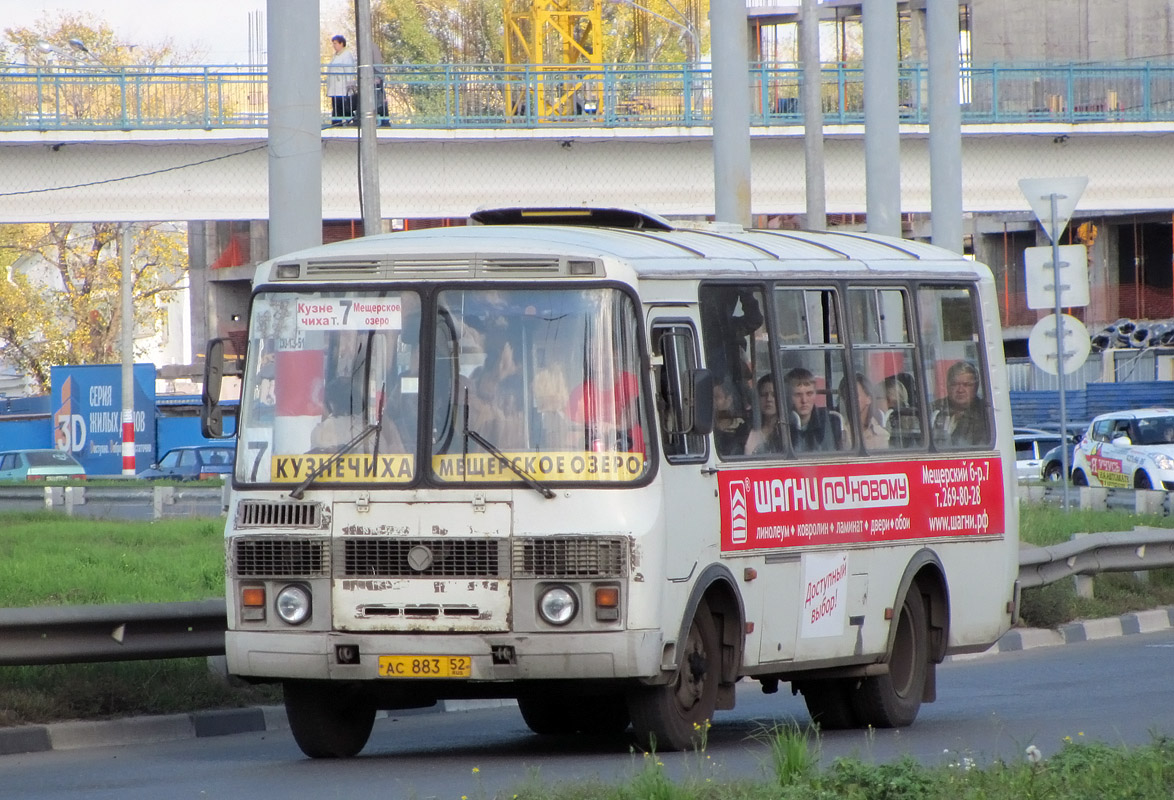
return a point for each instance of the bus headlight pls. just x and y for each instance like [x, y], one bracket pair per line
[558, 605]
[293, 604]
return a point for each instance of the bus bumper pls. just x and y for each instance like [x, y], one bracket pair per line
[499, 657]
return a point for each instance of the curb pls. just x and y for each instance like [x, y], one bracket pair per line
[174, 727]
[225, 722]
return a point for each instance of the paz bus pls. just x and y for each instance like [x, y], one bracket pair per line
[617, 469]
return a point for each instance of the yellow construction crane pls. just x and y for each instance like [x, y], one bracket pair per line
[553, 56]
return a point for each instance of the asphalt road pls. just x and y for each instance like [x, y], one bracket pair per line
[990, 707]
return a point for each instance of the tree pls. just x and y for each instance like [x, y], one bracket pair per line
[60, 291]
[101, 46]
[77, 69]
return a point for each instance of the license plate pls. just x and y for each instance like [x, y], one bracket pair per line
[425, 666]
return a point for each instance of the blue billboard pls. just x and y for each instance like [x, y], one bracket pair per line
[86, 403]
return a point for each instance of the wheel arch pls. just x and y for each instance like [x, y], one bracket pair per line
[717, 587]
[925, 573]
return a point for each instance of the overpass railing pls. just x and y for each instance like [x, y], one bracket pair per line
[93, 98]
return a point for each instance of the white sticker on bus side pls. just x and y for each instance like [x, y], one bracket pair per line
[825, 591]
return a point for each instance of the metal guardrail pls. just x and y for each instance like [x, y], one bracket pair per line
[1092, 553]
[137, 97]
[80, 634]
[140, 502]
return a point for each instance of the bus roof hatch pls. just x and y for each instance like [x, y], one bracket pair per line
[591, 217]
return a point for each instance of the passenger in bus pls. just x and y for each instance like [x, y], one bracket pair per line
[611, 416]
[901, 419]
[959, 419]
[730, 428]
[873, 434]
[813, 429]
[344, 420]
[551, 396]
[767, 437]
[502, 421]
[501, 361]
[728, 315]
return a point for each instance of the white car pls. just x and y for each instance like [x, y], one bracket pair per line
[1127, 449]
[1030, 448]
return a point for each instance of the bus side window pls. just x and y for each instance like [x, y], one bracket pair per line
[733, 329]
[955, 370]
[885, 360]
[811, 352]
[676, 344]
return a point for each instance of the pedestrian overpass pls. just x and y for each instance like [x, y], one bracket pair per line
[222, 174]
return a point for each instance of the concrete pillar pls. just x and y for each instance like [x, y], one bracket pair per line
[882, 136]
[731, 111]
[945, 126]
[295, 126]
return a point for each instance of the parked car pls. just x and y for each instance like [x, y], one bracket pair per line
[193, 463]
[40, 465]
[1051, 464]
[1030, 449]
[1127, 449]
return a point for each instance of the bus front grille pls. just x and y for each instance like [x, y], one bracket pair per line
[571, 557]
[263, 514]
[280, 557]
[422, 558]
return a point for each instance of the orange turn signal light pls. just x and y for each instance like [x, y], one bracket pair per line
[253, 596]
[607, 596]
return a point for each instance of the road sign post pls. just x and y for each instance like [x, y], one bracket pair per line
[1058, 197]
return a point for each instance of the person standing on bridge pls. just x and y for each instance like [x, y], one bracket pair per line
[342, 82]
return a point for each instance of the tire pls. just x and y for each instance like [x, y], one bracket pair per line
[829, 703]
[674, 716]
[1079, 478]
[605, 715]
[1141, 480]
[327, 720]
[1053, 472]
[893, 700]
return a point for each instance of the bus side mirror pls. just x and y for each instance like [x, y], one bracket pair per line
[211, 412]
[701, 389]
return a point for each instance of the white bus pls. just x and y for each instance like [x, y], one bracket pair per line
[611, 467]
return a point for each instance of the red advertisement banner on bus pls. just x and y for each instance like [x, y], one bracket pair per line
[781, 507]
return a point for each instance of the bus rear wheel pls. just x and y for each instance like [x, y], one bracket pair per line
[1079, 478]
[600, 715]
[893, 700]
[675, 716]
[327, 720]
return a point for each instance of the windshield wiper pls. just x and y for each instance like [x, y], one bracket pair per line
[300, 490]
[530, 480]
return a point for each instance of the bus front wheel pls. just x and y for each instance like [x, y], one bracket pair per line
[327, 720]
[893, 700]
[829, 702]
[547, 715]
[675, 716]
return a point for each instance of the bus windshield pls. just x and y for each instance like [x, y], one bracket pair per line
[544, 379]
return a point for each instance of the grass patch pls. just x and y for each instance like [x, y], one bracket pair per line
[1042, 524]
[1078, 771]
[1114, 593]
[103, 691]
[52, 559]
